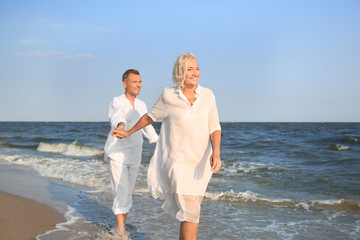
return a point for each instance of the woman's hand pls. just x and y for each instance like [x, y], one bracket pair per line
[120, 133]
[215, 162]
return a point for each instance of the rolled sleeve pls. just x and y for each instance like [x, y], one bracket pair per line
[213, 124]
[115, 114]
[159, 110]
[149, 131]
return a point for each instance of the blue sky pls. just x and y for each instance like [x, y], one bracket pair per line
[264, 60]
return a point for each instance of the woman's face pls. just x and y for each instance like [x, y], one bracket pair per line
[192, 74]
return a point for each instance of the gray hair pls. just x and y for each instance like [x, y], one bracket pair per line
[180, 66]
[127, 72]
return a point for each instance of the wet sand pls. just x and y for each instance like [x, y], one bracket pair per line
[31, 205]
[22, 218]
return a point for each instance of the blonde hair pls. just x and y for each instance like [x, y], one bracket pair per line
[180, 66]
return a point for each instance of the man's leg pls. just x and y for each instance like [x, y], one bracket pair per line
[120, 219]
[119, 179]
[132, 172]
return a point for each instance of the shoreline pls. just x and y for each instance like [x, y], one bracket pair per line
[32, 205]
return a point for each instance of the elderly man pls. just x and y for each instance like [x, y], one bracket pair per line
[124, 155]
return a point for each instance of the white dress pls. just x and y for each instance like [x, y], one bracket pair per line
[180, 170]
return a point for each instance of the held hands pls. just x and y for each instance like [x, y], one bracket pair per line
[120, 131]
[215, 162]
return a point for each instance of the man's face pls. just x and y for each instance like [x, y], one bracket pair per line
[132, 84]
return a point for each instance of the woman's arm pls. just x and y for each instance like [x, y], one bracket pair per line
[144, 121]
[215, 160]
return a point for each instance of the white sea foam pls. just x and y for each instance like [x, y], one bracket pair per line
[247, 168]
[70, 220]
[249, 196]
[92, 173]
[339, 147]
[71, 216]
[73, 149]
[232, 196]
[303, 205]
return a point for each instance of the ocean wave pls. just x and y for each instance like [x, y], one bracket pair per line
[11, 145]
[92, 173]
[73, 149]
[46, 139]
[12, 137]
[351, 140]
[338, 147]
[248, 196]
[71, 218]
[258, 168]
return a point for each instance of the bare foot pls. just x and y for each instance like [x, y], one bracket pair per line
[121, 230]
[123, 234]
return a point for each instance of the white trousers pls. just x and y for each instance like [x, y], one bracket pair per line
[122, 178]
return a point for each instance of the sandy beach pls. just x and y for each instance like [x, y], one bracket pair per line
[29, 203]
[22, 218]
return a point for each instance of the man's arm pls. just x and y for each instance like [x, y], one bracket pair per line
[116, 115]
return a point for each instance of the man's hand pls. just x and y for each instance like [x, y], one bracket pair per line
[121, 126]
[120, 133]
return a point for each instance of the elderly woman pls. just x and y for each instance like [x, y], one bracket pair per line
[188, 148]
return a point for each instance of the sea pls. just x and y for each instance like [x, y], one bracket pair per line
[278, 181]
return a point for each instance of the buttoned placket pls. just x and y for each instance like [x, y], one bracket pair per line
[128, 101]
[191, 111]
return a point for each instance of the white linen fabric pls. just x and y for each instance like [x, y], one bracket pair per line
[180, 170]
[122, 180]
[124, 155]
[121, 110]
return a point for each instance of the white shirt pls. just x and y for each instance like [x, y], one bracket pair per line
[121, 110]
[181, 159]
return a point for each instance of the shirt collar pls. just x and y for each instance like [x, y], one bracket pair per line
[128, 101]
[197, 90]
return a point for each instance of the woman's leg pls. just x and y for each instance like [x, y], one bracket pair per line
[188, 230]
[190, 205]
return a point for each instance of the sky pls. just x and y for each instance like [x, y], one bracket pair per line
[265, 61]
